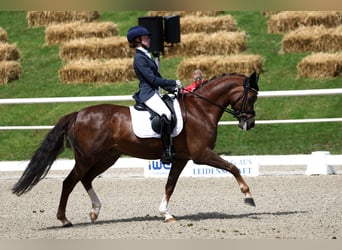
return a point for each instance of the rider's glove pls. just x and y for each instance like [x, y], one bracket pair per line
[179, 84]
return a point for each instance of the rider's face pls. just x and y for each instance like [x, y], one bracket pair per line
[145, 40]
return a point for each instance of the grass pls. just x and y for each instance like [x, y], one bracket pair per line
[40, 64]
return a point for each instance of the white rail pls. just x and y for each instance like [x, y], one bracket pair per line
[282, 93]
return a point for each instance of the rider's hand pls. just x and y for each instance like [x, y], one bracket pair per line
[179, 84]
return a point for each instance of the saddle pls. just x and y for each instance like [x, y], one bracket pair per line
[155, 118]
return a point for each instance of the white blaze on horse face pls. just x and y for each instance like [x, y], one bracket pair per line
[95, 201]
[245, 126]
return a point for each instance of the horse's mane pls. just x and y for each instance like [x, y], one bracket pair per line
[216, 77]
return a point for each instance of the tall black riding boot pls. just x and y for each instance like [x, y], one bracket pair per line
[168, 154]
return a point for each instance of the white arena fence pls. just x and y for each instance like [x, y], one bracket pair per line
[283, 93]
[319, 162]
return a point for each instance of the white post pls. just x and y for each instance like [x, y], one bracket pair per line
[318, 165]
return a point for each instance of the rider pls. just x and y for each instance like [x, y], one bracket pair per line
[150, 80]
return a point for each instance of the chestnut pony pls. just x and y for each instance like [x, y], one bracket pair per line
[100, 134]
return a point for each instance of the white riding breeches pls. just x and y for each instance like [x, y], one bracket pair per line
[157, 105]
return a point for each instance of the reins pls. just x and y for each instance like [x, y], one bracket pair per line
[232, 112]
[235, 113]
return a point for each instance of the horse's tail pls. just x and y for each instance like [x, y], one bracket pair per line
[45, 155]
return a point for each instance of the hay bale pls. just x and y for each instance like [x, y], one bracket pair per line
[286, 21]
[59, 33]
[313, 39]
[9, 52]
[184, 13]
[218, 43]
[98, 71]
[3, 36]
[9, 71]
[45, 18]
[95, 48]
[269, 13]
[215, 65]
[321, 65]
[207, 24]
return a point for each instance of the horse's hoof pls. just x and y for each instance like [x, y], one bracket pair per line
[250, 201]
[68, 224]
[93, 216]
[170, 220]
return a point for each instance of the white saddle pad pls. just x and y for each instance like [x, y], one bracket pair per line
[142, 124]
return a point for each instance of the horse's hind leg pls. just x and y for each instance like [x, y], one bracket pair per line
[87, 184]
[68, 185]
[175, 171]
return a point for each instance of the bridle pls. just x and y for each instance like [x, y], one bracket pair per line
[239, 114]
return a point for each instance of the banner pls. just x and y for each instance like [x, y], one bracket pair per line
[247, 165]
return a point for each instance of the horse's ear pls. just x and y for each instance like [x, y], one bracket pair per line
[253, 80]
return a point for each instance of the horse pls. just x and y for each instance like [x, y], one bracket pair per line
[100, 134]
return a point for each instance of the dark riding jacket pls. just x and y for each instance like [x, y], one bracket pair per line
[149, 78]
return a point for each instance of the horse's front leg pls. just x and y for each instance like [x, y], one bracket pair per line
[212, 159]
[175, 171]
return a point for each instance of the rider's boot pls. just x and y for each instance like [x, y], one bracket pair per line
[168, 154]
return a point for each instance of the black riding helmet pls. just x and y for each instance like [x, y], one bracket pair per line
[137, 31]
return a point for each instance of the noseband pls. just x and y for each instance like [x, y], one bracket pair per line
[243, 110]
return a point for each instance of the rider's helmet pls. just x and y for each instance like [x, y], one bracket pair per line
[136, 31]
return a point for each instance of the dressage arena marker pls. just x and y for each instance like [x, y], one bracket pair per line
[318, 164]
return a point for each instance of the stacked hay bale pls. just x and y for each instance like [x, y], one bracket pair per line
[218, 43]
[205, 35]
[214, 65]
[97, 71]
[3, 36]
[321, 65]
[207, 24]
[9, 52]
[91, 51]
[46, 18]
[10, 68]
[59, 33]
[184, 13]
[104, 59]
[95, 48]
[313, 39]
[311, 31]
[286, 21]
[269, 13]
[214, 45]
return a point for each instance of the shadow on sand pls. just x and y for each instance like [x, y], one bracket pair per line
[192, 217]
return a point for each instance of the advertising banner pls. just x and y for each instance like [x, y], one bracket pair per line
[247, 165]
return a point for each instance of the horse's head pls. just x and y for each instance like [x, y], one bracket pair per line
[243, 101]
[242, 95]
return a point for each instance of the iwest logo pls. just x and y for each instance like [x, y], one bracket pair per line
[158, 165]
